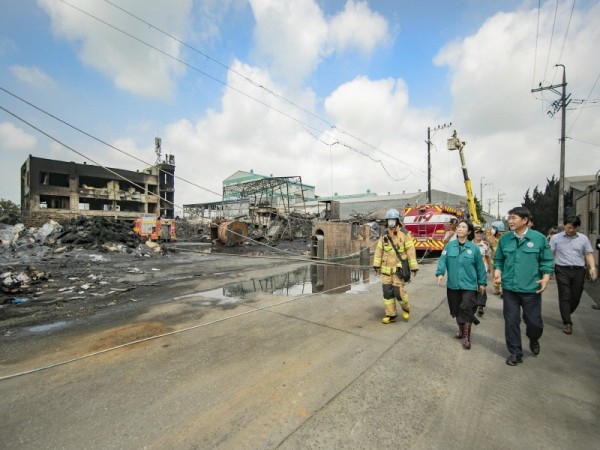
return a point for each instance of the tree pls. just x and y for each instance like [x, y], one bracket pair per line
[6, 206]
[544, 205]
[479, 210]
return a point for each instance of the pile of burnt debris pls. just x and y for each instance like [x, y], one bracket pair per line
[94, 234]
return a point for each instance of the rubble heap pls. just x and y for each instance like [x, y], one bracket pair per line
[93, 233]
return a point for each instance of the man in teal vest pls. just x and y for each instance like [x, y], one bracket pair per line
[523, 262]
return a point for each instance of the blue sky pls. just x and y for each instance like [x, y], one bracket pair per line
[338, 92]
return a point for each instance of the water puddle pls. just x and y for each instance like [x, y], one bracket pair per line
[48, 327]
[345, 277]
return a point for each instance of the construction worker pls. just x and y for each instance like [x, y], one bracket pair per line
[394, 245]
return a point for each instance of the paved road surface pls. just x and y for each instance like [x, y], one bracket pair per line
[306, 371]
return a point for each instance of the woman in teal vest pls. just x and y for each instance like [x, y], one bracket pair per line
[461, 260]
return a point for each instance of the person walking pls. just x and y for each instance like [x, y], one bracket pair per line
[392, 247]
[486, 251]
[572, 250]
[523, 263]
[493, 239]
[451, 233]
[461, 260]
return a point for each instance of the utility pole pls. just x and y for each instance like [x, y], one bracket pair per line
[490, 201]
[439, 127]
[499, 201]
[481, 186]
[562, 105]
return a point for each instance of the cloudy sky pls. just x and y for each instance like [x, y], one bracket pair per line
[339, 92]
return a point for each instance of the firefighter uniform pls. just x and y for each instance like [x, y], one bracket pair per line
[386, 261]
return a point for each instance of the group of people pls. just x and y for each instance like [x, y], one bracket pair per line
[522, 260]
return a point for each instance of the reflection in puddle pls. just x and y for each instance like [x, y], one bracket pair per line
[348, 276]
[47, 327]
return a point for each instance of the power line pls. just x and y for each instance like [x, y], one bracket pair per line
[588, 96]
[39, 130]
[100, 140]
[537, 35]
[551, 39]
[567, 31]
[289, 116]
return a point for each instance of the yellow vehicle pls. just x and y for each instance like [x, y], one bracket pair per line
[455, 144]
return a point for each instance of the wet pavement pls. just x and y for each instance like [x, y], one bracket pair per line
[257, 355]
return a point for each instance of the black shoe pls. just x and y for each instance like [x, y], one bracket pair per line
[534, 346]
[480, 311]
[513, 360]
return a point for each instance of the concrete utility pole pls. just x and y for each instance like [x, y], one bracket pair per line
[481, 186]
[439, 127]
[499, 201]
[562, 105]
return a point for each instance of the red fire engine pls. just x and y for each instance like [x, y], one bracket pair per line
[428, 225]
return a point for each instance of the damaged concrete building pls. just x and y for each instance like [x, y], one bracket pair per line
[61, 189]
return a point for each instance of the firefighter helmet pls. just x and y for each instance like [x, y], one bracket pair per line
[392, 214]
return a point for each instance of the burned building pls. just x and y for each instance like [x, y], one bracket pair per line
[62, 189]
[256, 197]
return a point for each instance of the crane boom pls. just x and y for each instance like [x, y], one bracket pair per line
[455, 144]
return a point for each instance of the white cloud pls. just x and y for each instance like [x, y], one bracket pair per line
[14, 138]
[512, 142]
[295, 36]
[33, 76]
[358, 27]
[133, 66]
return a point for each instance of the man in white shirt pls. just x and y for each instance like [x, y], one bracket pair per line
[572, 250]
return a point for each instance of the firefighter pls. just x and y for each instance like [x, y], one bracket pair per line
[395, 243]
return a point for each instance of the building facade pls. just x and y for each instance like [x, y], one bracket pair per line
[68, 189]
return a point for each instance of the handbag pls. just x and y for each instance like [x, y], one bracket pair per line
[404, 272]
[481, 299]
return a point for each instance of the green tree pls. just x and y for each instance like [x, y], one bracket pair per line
[544, 205]
[6, 206]
[479, 209]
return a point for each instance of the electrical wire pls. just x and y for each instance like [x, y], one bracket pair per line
[584, 101]
[566, 32]
[102, 141]
[551, 39]
[537, 35]
[239, 91]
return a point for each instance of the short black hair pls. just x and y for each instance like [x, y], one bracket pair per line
[454, 220]
[573, 220]
[522, 212]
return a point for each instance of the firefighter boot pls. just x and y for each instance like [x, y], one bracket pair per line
[390, 310]
[459, 333]
[405, 309]
[467, 336]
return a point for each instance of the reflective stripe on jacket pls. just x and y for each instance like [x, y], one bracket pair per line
[385, 257]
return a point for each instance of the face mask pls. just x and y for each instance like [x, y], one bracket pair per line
[391, 223]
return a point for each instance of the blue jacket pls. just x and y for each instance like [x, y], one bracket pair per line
[523, 262]
[464, 265]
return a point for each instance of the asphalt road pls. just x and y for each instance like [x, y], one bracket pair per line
[295, 370]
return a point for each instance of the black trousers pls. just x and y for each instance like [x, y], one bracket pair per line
[462, 304]
[569, 281]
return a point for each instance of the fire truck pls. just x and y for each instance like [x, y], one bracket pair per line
[428, 225]
[155, 228]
